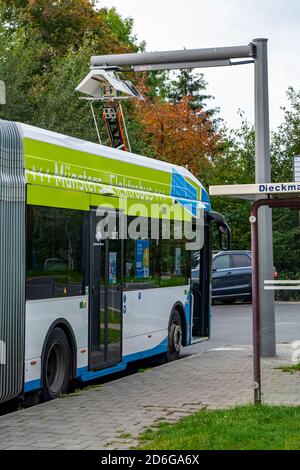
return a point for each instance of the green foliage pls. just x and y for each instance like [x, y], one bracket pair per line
[286, 238]
[286, 223]
[60, 24]
[59, 107]
[157, 83]
[45, 50]
[188, 84]
[286, 141]
[237, 166]
[122, 29]
[291, 369]
[21, 62]
[193, 85]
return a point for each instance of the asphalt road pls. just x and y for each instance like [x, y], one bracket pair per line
[232, 326]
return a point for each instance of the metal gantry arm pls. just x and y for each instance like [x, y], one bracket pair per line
[168, 60]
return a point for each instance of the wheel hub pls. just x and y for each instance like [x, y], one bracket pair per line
[176, 337]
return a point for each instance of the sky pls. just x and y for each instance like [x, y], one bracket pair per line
[177, 24]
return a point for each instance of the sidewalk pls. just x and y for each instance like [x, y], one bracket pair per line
[112, 415]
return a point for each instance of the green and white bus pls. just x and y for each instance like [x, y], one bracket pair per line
[75, 305]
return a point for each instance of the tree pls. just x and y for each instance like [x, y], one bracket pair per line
[21, 64]
[178, 134]
[60, 24]
[63, 24]
[236, 165]
[286, 229]
[286, 141]
[45, 51]
[43, 61]
[189, 84]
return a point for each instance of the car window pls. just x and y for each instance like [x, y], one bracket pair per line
[240, 261]
[221, 262]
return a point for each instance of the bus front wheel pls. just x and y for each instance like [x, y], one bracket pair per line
[56, 365]
[174, 337]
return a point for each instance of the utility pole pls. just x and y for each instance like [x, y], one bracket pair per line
[263, 175]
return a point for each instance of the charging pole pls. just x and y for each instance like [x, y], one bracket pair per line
[263, 175]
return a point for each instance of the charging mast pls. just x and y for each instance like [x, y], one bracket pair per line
[263, 175]
[254, 53]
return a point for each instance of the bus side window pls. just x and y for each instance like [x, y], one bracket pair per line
[140, 263]
[54, 252]
[163, 262]
[175, 259]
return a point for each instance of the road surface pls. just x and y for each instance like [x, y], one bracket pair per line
[232, 325]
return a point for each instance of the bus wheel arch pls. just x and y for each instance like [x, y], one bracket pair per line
[60, 339]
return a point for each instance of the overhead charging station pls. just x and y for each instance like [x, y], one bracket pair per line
[103, 83]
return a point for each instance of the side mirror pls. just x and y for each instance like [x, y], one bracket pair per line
[224, 237]
[224, 231]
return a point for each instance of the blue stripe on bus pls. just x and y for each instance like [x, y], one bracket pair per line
[84, 374]
[32, 385]
[160, 349]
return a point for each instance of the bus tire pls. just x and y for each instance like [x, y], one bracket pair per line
[56, 365]
[174, 337]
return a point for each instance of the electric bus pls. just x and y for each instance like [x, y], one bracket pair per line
[75, 305]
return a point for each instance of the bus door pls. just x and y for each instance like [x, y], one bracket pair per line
[200, 289]
[201, 277]
[105, 315]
